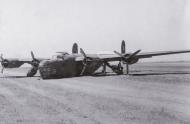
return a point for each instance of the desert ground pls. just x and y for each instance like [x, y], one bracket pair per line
[153, 93]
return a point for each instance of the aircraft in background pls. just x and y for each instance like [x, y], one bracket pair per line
[80, 64]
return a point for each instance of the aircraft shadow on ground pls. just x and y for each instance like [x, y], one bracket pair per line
[113, 74]
[143, 74]
[101, 74]
[160, 73]
[17, 76]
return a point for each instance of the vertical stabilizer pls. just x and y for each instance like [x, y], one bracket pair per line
[75, 48]
[123, 47]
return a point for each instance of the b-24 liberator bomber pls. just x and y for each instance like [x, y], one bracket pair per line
[80, 64]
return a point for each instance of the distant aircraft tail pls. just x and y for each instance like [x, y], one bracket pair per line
[75, 48]
[123, 49]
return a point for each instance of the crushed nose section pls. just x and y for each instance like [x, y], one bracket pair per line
[50, 69]
[45, 73]
[45, 70]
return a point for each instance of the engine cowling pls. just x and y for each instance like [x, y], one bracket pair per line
[5, 63]
[11, 63]
[133, 60]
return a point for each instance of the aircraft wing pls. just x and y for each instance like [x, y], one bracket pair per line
[160, 53]
[143, 55]
[115, 57]
[29, 61]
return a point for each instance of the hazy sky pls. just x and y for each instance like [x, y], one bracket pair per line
[47, 26]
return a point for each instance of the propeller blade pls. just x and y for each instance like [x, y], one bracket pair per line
[83, 53]
[35, 62]
[129, 57]
[119, 54]
[75, 48]
[134, 54]
[83, 69]
[2, 69]
[85, 61]
[1, 58]
[86, 58]
[32, 54]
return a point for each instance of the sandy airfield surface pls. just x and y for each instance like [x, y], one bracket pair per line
[154, 93]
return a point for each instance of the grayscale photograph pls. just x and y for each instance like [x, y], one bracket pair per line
[94, 62]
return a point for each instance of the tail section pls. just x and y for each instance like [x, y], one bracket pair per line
[123, 47]
[75, 48]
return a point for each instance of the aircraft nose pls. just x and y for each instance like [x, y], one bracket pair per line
[49, 69]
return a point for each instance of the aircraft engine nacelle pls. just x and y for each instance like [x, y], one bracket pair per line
[5, 63]
[133, 61]
[11, 63]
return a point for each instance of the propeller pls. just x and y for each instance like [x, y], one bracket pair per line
[4, 63]
[2, 59]
[127, 59]
[83, 53]
[85, 61]
[32, 54]
[75, 48]
[35, 62]
[134, 54]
